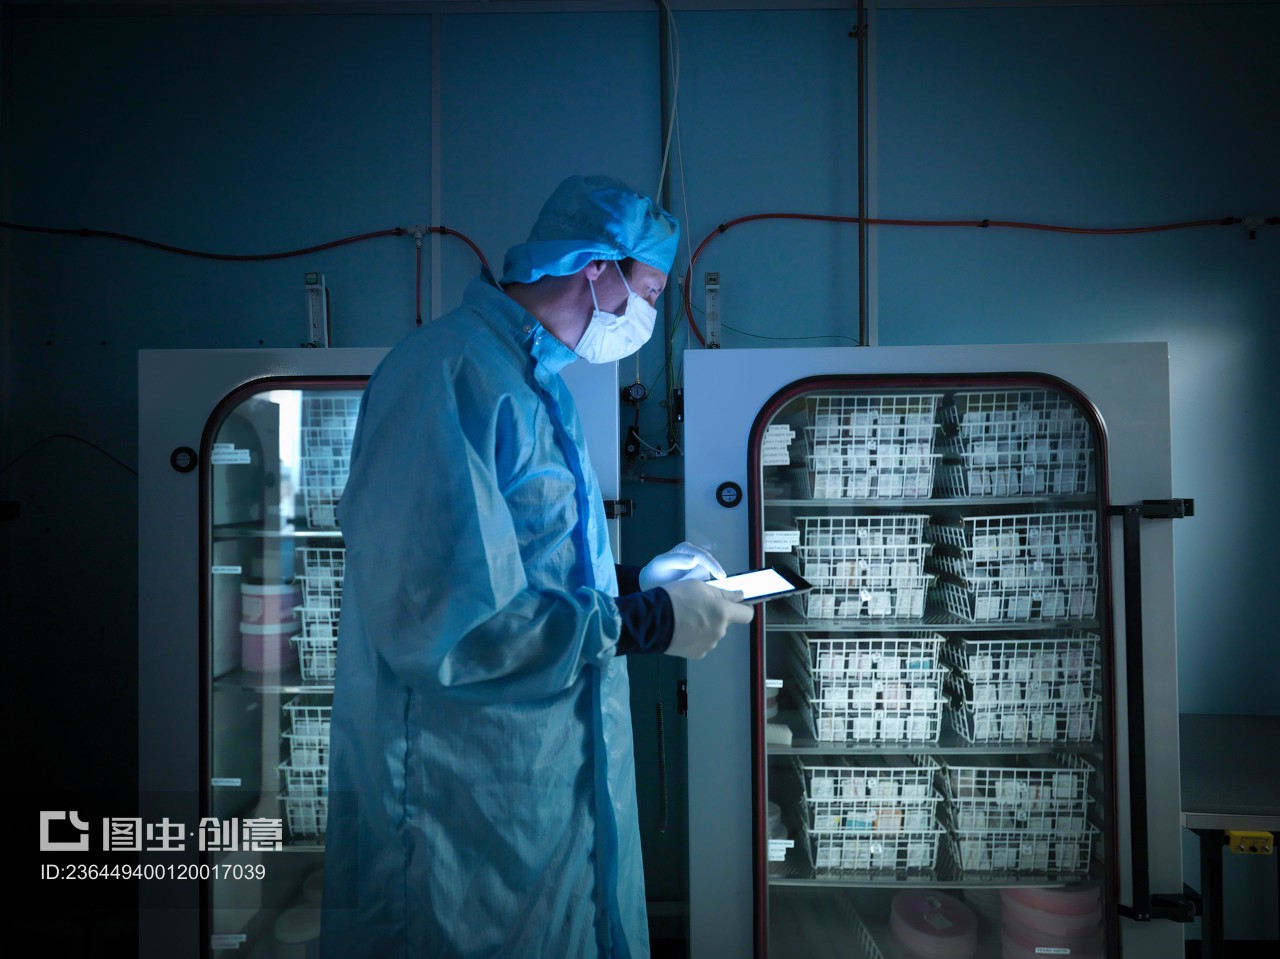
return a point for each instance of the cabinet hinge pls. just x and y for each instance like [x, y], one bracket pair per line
[1158, 509]
[619, 508]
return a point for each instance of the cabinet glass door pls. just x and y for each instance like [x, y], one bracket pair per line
[936, 732]
[276, 466]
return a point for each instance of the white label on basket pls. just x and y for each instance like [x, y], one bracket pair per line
[226, 454]
[226, 940]
[778, 849]
[225, 570]
[1052, 951]
[225, 781]
[781, 540]
[773, 684]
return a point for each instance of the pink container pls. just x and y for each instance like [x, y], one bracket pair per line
[1065, 924]
[1019, 942]
[1080, 899]
[266, 649]
[933, 925]
[266, 604]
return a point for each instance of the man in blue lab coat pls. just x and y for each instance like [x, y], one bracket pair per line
[482, 783]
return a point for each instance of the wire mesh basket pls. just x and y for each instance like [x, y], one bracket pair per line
[331, 410]
[309, 714]
[877, 689]
[1015, 443]
[1019, 689]
[321, 592]
[307, 750]
[318, 623]
[1016, 817]
[1024, 783]
[864, 566]
[306, 816]
[1019, 815]
[328, 428]
[1044, 668]
[901, 853]
[323, 568]
[305, 796]
[991, 853]
[1040, 566]
[872, 778]
[323, 478]
[304, 777]
[1033, 723]
[304, 781]
[867, 446]
[878, 815]
[323, 561]
[317, 658]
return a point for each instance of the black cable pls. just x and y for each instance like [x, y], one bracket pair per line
[821, 336]
[167, 248]
[66, 436]
[662, 771]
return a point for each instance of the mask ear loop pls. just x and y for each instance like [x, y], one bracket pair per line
[630, 291]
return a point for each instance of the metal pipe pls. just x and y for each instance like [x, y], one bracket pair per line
[863, 307]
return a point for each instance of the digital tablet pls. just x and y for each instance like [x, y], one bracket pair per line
[764, 584]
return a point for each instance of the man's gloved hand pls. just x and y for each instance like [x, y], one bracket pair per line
[684, 561]
[702, 613]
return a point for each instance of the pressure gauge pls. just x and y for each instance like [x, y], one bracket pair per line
[635, 393]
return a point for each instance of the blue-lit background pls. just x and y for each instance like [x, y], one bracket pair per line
[232, 132]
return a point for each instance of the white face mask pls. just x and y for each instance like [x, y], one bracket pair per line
[611, 336]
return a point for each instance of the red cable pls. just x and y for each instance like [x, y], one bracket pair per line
[982, 224]
[445, 231]
[686, 294]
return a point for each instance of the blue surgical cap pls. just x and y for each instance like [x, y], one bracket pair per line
[593, 218]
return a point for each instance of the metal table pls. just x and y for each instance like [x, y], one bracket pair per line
[1230, 780]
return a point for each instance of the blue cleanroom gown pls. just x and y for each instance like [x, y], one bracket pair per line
[482, 783]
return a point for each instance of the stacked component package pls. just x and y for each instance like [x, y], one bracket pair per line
[864, 566]
[304, 777]
[1020, 568]
[328, 428]
[323, 568]
[1014, 443]
[871, 447]
[1018, 816]
[1018, 689]
[877, 689]
[873, 815]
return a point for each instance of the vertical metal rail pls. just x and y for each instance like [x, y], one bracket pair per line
[664, 199]
[1137, 712]
[863, 307]
[1211, 944]
[437, 162]
[1173, 906]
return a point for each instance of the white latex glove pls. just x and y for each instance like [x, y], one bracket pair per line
[683, 561]
[702, 615]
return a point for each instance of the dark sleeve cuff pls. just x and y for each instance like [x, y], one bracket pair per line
[628, 579]
[647, 622]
